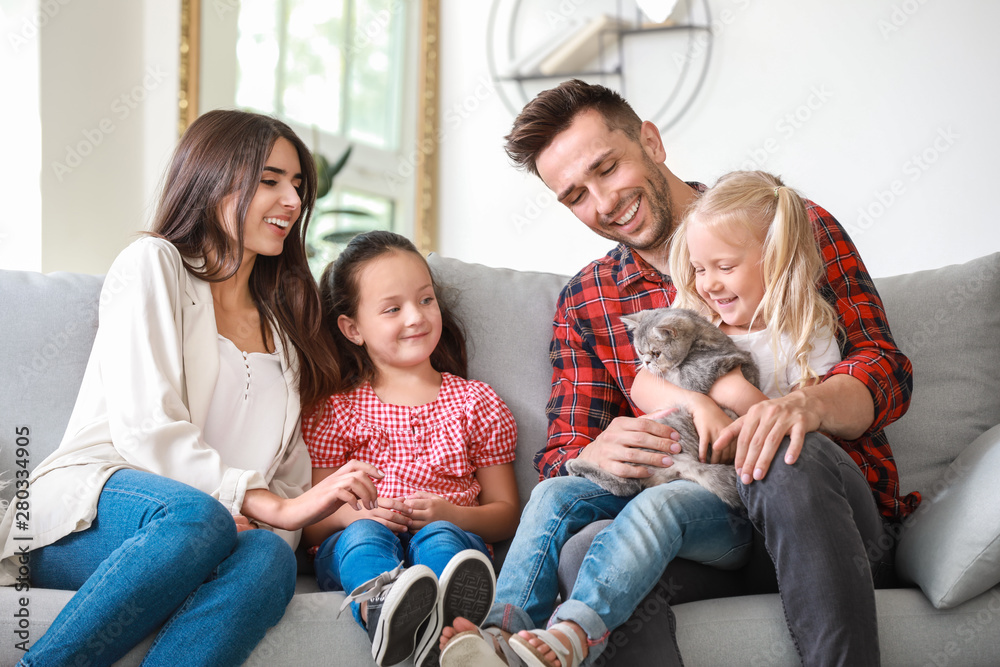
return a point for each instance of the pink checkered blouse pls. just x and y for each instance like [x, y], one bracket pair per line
[436, 447]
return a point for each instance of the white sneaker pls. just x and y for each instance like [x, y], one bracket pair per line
[398, 603]
[466, 588]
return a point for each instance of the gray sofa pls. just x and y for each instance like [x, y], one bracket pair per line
[947, 446]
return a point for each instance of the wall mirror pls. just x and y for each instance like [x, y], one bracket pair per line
[345, 74]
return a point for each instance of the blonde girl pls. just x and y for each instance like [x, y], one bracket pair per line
[752, 233]
[745, 256]
[444, 444]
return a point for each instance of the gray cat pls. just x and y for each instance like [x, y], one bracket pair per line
[688, 351]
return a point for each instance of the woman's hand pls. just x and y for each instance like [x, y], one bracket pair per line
[426, 508]
[243, 523]
[350, 484]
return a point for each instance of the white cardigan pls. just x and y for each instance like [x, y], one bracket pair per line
[145, 395]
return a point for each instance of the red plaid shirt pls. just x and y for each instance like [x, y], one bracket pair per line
[594, 363]
[436, 447]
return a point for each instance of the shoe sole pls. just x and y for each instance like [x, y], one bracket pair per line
[467, 588]
[412, 599]
[469, 648]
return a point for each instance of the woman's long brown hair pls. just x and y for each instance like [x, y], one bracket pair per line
[223, 153]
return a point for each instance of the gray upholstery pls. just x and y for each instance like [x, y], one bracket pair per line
[947, 320]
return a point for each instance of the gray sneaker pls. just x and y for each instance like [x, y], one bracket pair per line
[398, 603]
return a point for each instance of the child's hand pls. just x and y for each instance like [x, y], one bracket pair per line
[426, 508]
[710, 420]
[391, 513]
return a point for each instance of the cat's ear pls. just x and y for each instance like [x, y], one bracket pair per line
[631, 321]
[667, 331]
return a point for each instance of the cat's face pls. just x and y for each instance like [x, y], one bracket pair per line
[661, 337]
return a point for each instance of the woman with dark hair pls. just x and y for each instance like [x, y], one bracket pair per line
[180, 488]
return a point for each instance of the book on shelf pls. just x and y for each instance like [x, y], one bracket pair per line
[527, 64]
[583, 46]
[570, 48]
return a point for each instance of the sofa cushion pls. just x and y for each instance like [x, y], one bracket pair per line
[47, 328]
[951, 544]
[496, 307]
[947, 321]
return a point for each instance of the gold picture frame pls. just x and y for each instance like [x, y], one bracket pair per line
[425, 187]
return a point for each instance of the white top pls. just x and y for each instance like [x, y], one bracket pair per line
[247, 413]
[144, 402]
[824, 356]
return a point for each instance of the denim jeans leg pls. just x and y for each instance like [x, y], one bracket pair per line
[436, 543]
[255, 584]
[153, 542]
[817, 517]
[359, 553]
[528, 584]
[627, 558]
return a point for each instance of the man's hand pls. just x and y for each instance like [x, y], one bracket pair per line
[622, 448]
[840, 405]
[759, 433]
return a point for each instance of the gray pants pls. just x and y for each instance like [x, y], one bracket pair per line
[815, 521]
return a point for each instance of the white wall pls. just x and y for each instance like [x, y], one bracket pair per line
[893, 129]
[21, 227]
[98, 121]
[887, 95]
[108, 99]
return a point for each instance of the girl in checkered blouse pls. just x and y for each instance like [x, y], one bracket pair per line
[444, 444]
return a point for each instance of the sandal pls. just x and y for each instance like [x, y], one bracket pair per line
[533, 657]
[479, 648]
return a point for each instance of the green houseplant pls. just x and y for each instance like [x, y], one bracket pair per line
[328, 234]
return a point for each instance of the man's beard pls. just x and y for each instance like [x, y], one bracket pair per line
[659, 223]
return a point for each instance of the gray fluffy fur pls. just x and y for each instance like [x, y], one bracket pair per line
[688, 351]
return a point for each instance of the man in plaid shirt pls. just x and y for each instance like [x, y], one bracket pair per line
[821, 501]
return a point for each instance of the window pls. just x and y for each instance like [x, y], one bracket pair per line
[335, 71]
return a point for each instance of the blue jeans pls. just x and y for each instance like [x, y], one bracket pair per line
[161, 553]
[624, 561]
[366, 549]
[829, 546]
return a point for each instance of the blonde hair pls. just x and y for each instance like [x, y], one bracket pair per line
[760, 206]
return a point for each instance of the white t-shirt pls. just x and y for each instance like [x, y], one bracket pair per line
[825, 354]
[247, 416]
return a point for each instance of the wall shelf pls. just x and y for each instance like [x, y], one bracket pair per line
[611, 66]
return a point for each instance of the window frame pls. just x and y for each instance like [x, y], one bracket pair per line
[208, 53]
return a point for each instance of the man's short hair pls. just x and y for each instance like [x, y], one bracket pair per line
[553, 110]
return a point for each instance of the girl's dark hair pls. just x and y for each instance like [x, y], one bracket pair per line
[340, 291]
[223, 154]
